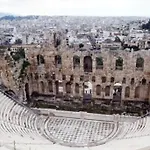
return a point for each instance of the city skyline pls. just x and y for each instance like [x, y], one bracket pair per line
[76, 7]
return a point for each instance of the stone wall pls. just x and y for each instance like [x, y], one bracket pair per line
[53, 72]
[64, 75]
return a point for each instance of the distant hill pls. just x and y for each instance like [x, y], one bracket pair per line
[12, 17]
[4, 14]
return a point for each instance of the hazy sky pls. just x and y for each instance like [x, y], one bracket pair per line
[77, 7]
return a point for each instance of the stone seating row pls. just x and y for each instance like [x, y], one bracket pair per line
[7, 106]
[135, 129]
[20, 124]
[17, 121]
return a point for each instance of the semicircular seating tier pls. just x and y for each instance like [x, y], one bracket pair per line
[20, 125]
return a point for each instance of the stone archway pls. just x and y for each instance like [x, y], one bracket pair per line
[50, 86]
[87, 92]
[68, 88]
[117, 93]
[76, 61]
[137, 92]
[42, 88]
[58, 61]
[127, 92]
[77, 88]
[98, 90]
[87, 64]
[57, 87]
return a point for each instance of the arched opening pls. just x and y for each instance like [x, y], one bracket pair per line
[50, 86]
[117, 93]
[88, 87]
[103, 79]
[99, 63]
[124, 80]
[76, 61]
[140, 63]
[87, 92]
[71, 78]
[87, 64]
[42, 86]
[107, 91]
[93, 78]
[58, 61]
[127, 92]
[36, 77]
[81, 78]
[143, 81]
[40, 59]
[57, 87]
[53, 76]
[77, 88]
[119, 64]
[137, 92]
[68, 88]
[112, 79]
[63, 77]
[98, 90]
[132, 81]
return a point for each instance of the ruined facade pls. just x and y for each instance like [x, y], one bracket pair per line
[105, 75]
[76, 73]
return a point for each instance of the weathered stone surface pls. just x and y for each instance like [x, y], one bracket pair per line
[39, 75]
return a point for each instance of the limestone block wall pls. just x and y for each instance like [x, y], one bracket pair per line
[40, 75]
[48, 76]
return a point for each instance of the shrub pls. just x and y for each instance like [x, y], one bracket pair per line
[19, 54]
[24, 66]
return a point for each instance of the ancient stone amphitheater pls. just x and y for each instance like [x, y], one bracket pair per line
[23, 129]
